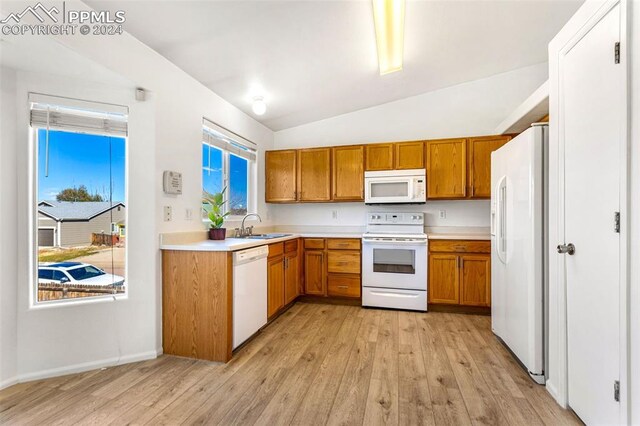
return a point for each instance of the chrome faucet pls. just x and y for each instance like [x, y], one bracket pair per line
[243, 230]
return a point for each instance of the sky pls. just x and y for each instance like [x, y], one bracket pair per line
[79, 159]
[212, 175]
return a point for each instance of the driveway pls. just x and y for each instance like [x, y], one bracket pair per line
[103, 260]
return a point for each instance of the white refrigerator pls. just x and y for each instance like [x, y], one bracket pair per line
[518, 247]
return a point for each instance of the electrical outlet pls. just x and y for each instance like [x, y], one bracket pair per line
[334, 214]
[167, 214]
[442, 214]
[188, 214]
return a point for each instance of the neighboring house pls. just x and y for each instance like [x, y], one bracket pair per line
[68, 224]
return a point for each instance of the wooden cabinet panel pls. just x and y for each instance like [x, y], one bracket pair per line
[276, 249]
[479, 161]
[314, 273]
[460, 246]
[275, 285]
[281, 176]
[475, 280]
[314, 243]
[345, 262]
[444, 279]
[379, 156]
[291, 277]
[348, 173]
[343, 244]
[343, 285]
[314, 174]
[291, 245]
[446, 168]
[409, 155]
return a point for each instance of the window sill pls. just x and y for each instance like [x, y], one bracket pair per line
[36, 306]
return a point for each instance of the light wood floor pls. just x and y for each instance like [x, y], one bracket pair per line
[316, 364]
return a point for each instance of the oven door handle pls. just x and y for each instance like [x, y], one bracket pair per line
[395, 243]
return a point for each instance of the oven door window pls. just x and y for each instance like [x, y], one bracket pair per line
[389, 189]
[394, 261]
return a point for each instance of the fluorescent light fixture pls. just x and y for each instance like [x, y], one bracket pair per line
[388, 17]
[259, 107]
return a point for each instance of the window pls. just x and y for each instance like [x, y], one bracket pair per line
[80, 195]
[227, 163]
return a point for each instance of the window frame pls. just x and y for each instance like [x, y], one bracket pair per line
[252, 166]
[33, 262]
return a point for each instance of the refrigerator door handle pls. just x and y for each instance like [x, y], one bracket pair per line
[501, 213]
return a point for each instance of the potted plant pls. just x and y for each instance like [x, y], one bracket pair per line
[213, 208]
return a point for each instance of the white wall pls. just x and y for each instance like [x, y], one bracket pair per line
[8, 246]
[165, 134]
[470, 109]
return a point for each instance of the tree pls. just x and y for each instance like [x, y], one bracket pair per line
[77, 194]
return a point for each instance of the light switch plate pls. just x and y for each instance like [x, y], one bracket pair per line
[442, 214]
[167, 214]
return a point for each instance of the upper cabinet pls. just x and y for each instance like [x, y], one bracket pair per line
[479, 158]
[348, 173]
[409, 155]
[379, 157]
[446, 168]
[314, 174]
[281, 176]
[457, 169]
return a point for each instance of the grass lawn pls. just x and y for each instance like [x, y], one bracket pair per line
[61, 255]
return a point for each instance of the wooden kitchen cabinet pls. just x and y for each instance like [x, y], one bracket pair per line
[291, 273]
[275, 285]
[347, 173]
[446, 168]
[479, 164]
[409, 155]
[315, 283]
[475, 280]
[379, 156]
[460, 272]
[332, 267]
[281, 173]
[444, 279]
[314, 174]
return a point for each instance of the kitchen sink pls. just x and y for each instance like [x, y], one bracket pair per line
[264, 236]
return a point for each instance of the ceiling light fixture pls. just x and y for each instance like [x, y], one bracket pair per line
[259, 107]
[388, 17]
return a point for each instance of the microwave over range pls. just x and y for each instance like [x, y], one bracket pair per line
[395, 187]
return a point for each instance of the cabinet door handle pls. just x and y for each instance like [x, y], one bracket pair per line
[343, 287]
[458, 262]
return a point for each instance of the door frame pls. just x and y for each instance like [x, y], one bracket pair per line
[580, 24]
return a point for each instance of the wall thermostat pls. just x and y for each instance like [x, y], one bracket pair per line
[172, 182]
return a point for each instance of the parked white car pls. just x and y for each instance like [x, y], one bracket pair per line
[76, 273]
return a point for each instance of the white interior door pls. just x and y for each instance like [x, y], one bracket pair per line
[591, 119]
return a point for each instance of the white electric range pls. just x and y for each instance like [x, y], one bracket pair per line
[394, 261]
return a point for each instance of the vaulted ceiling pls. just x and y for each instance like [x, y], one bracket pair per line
[316, 59]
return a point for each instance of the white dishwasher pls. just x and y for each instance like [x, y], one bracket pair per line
[249, 292]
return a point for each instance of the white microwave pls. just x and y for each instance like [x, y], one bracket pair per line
[395, 187]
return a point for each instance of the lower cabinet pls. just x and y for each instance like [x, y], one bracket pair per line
[460, 272]
[283, 275]
[332, 267]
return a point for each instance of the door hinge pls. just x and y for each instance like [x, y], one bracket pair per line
[616, 52]
[616, 390]
[616, 222]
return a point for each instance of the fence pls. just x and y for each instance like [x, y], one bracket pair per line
[104, 239]
[55, 291]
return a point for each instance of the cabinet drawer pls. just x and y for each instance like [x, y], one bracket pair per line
[459, 246]
[343, 244]
[346, 262]
[344, 285]
[276, 249]
[314, 243]
[291, 245]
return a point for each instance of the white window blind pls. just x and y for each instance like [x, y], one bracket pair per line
[214, 135]
[48, 112]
